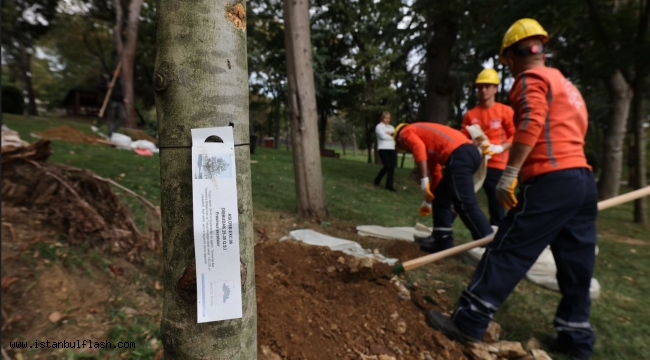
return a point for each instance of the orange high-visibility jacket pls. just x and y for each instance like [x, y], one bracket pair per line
[433, 143]
[498, 125]
[551, 116]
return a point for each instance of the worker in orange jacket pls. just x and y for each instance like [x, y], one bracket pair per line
[557, 203]
[496, 121]
[435, 146]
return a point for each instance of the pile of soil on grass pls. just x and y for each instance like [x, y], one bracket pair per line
[311, 305]
[73, 201]
[68, 134]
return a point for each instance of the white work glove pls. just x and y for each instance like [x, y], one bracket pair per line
[506, 187]
[495, 149]
[425, 209]
[426, 189]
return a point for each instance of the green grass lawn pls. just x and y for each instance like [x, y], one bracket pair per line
[621, 315]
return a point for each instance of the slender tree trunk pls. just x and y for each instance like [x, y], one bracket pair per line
[354, 142]
[26, 66]
[322, 129]
[117, 29]
[310, 195]
[620, 95]
[369, 145]
[439, 84]
[640, 205]
[278, 120]
[193, 90]
[343, 147]
[128, 61]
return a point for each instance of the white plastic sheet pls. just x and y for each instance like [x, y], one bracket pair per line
[352, 248]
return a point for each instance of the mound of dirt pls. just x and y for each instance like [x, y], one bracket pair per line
[312, 305]
[74, 201]
[68, 134]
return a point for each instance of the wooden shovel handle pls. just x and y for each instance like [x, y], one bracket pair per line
[108, 93]
[602, 205]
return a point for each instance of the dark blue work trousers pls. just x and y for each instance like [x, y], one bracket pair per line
[497, 211]
[457, 188]
[557, 209]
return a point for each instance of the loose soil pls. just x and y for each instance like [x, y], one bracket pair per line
[68, 134]
[311, 306]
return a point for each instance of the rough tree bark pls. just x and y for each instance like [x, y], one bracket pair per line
[641, 205]
[640, 180]
[201, 80]
[439, 84]
[620, 95]
[117, 29]
[128, 61]
[310, 195]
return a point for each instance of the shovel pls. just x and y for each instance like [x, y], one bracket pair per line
[416, 263]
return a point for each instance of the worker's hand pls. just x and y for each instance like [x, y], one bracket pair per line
[496, 149]
[126, 101]
[425, 209]
[506, 188]
[485, 149]
[425, 186]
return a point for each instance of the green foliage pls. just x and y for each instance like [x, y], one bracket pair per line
[13, 101]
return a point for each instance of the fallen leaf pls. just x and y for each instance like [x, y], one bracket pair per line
[158, 286]
[8, 280]
[54, 317]
[114, 269]
[628, 278]
[159, 355]
[92, 311]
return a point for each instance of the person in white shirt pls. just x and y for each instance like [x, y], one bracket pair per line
[387, 153]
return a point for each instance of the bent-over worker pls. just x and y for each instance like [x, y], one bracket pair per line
[434, 146]
[556, 204]
[496, 121]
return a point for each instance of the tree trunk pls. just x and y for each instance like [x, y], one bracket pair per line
[117, 29]
[194, 90]
[322, 129]
[128, 61]
[278, 120]
[620, 95]
[354, 142]
[343, 147]
[369, 145]
[310, 195]
[439, 84]
[640, 205]
[26, 66]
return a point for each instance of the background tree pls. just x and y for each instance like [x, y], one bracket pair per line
[23, 23]
[310, 195]
[200, 81]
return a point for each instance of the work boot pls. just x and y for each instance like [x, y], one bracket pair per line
[445, 325]
[418, 239]
[554, 345]
[434, 244]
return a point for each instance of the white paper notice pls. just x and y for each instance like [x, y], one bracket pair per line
[216, 225]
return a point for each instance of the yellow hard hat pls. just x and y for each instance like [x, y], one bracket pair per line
[521, 29]
[487, 76]
[397, 146]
